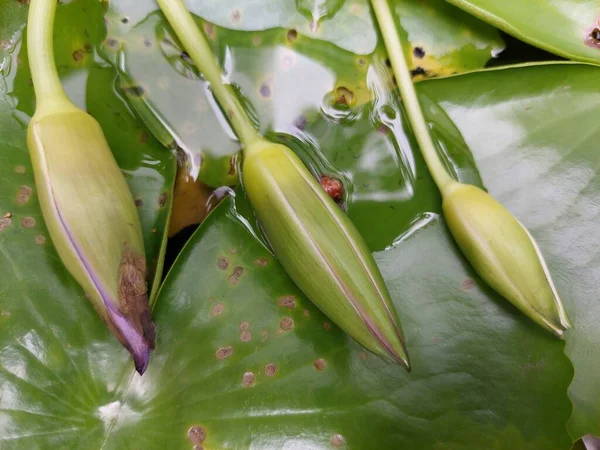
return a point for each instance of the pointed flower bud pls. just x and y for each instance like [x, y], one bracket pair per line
[504, 254]
[85, 200]
[320, 249]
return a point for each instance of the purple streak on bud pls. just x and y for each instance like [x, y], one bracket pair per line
[134, 341]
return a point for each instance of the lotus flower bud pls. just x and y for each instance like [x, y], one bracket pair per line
[504, 254]
[93, 222]
[320, 248]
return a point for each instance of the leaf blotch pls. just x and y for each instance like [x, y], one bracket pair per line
[244, 325]
[23, 195]
[224, 352]
[292, 35]
[196, 434]
[20, 169]
[28, 222]
[40, 240]
[337, 440]
[162, 199]
[5, 222]
[286, 324]
[419, 52]
[234, 278]
[217, 309]
[270, 369]
[246, 336]
[333, 187]
[248, 379]
[287, 301]
[320, 364]
[468, 284]
[222, 263]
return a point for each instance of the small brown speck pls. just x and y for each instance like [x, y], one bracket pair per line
[162, 199]
[388, 63]
[40, 240]
[5, 223]
[125, 20]
[144, 137]
[265, 90]
[246, 336]
[261, 262]
[217, 309]
[147, 42]
[224, 352]
[287, 301]
[244, 325]
[20, 169]
[333, 187]
[23, 195]
[197, 434]
[306, 313]
[468, 284]
[287, 323]
[264, 333]
[362, 355]
[222, 263]
[234, 278]
[292, 35]
[278, 332]
[111, 42]
[28, 222]
[248, 379]
[134, 91]
[233, 251]
[139, 202]
[270, 369]
[320, 364]
[154, 230]
[236, 16]
[327, 326]
[78, 54]
[337, 440]
[256, 41]
[361, 62]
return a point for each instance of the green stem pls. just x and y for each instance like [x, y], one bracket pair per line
[409, 96]
[199, 50]
[49, 92]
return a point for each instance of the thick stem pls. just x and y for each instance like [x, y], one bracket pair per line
[49, 92]
[409, 96]
[199, 50]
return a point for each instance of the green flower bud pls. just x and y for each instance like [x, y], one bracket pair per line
[320, 248]
[93, 222]
[504, 254]
[85, 200]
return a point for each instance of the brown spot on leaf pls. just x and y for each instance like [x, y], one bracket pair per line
[196, 434]
[217, 309]
[256, 41]
[327, 326]
[593, 38]
[337, 440]
[320, 364]
[306, 313]
[261, 262]
[23, 2]
[40, 240]
[20, 169]
[144, 137]
[234, 278]
[23, 195]
[236, 16]
[111, 42]
[147, 42]
[134, 91]
[244, 325]
[417, 71]
[344, 96]
[78, 54]
[224, 352]
[468, 284]
[246, 336]
[162, 199]
[248, 379]
[287, 323]
[125, 20]
[333, 187]
[28, 222]
[5, 222]
[133, 294]
[292, 35]
[222, 263]
[362, 355]
[270, 369]
[287, 301]
[139, 202]
[233, 251]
